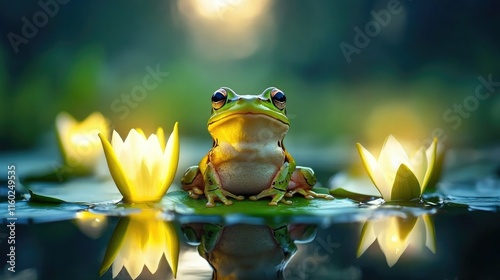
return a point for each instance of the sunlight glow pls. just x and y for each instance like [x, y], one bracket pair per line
[226, 29]
[91, 224]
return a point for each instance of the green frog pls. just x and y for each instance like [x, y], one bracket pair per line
[248, 157]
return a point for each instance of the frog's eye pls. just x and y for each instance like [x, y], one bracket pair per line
[219, 99]
[279, 99]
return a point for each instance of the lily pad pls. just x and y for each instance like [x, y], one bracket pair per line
[79, 190]
[43, 199]
[359, 188]
[181, 203]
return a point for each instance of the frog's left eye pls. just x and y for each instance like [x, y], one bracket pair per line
[219, 99]
[279, 99]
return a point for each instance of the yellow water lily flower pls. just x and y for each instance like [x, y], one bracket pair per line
[143, 168]
[395, 174]
[395, 234]
[142, 239]
[78, 141]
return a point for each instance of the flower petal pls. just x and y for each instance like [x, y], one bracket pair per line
[374, 172]
[161, 137]
[116, 142]
[131, 154]
[391, 157]
[171, 157]
[406, 186]
[419, 166]
[431, 162]
[116, 169]
[64, 122]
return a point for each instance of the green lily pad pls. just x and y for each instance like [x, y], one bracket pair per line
[43, 199]
[79, 190]
[181, 203]
[342, 193]
[359, 188]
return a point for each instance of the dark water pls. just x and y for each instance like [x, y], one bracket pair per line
[467, 246]
[454, 235]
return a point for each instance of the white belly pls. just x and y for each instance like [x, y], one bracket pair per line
[247, 168]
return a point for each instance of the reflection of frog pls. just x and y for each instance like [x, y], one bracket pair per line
[248, 156]
[246, 251]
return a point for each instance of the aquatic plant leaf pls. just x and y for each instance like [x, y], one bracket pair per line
[183, 204]
[79, 190]
[43, 198]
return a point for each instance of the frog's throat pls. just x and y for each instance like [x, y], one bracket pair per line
[248, 128]
[243, 115]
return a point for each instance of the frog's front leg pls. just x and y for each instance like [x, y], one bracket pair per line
[214, 189]
[279, 185]
[302, 181]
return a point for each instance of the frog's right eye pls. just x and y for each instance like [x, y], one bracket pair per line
[219, 99]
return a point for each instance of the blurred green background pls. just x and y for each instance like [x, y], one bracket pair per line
[413, 70]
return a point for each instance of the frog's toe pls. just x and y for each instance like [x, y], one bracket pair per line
[286, 201]
[192, 195]
[329, 197]
[273, 203]
[253, 197]
[195, 192]
[228, 202]
[239, 197]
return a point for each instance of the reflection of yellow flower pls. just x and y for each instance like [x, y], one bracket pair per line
[395, 234]
[78, 141]
[397, 176]
[91, 224]
[142, 169]
[139, 240]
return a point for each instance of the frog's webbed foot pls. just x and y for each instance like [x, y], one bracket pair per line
[218, 193]
[308, 194]
[214, 190]
[302, 181]
[278, 187]
[276, 194]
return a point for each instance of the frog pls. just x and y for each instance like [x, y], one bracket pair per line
[248, 157]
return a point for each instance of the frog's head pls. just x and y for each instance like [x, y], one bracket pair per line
[271, 103]
[248, 118]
